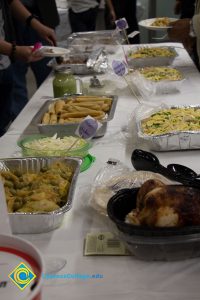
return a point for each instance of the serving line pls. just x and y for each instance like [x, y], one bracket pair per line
[123, 277]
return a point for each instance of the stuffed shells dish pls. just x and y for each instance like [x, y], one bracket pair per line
[41, 192]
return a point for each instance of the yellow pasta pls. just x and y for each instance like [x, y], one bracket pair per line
[152, 52]
[172, 120]
[161, 22]
[161, 73]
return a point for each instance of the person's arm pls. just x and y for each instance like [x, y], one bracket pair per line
[195, 24]
[22, 14]
[111, 10]
[24, 53]
[180, 32]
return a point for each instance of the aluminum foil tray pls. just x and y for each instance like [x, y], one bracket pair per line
[179, 140]
[92, 39]
[164, 86]
[150, 61]
[40, 222]
[76, 68]
[70, 128]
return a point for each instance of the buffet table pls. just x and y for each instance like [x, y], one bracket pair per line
[124, 277]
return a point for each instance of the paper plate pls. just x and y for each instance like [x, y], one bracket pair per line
[21, 269]
[50, 51]
[147, 24]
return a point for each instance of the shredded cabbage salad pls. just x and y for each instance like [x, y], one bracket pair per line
[56, 143]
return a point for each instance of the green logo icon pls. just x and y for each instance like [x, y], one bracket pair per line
[22, 276]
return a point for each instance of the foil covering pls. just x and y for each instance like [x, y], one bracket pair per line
[98, 61]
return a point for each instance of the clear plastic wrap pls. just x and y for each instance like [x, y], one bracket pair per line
[151, 60]
[115, 176]
[148, 87]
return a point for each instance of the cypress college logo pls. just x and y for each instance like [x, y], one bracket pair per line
[22, 276]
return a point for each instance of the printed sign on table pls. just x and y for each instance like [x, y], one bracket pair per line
[119, 67]
[121, 24]
[88, 128]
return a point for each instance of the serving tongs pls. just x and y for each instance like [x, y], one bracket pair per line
[147, 161]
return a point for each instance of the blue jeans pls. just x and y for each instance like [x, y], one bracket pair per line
[26, 36]
[6, 92]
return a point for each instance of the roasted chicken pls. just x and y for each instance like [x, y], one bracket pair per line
[160, 205]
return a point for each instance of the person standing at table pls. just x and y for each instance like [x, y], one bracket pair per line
[185, 8]
[46, 12]
[9, 51]
[187, 31]
[83, 14]
[116, 9]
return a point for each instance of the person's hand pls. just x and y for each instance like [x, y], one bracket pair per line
[45, 32]
[177, 8]
[179, 32]
[26, 54]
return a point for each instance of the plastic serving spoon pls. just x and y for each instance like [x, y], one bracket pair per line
[147, 161]
[183, 171]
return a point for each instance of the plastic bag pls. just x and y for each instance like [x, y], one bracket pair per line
[113, 177]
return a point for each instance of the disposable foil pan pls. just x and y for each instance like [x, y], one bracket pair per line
[150, 61]
[70, 128]
[78, 64]
[77, 69]
[163, 86]
[40, 222]
[178, 140]
[93, 39]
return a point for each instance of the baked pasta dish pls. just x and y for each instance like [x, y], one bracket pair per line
[161, 22]
[160, 205]
[45, 191]
[172, 120]
[145, 52]
[161, 73]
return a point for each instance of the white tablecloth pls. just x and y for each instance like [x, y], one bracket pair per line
[124, 277]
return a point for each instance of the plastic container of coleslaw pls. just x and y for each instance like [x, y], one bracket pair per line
[42, 145]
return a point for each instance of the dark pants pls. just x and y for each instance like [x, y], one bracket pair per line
[84, 21]
[124, 9]
[187, 8]
[6, 90]
[26, 36]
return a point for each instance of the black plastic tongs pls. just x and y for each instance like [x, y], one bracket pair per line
[147, 161]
